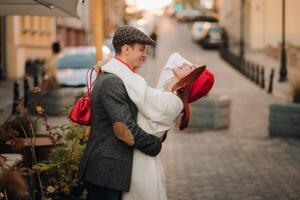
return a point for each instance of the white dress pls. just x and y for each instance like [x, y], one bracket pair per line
[148, 179]
[158, 112]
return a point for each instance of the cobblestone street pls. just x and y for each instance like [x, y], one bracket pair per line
[239, 163]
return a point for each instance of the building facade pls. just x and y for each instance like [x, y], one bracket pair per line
[26, 38]
[114, 16]
[262, 22]
[75, 31]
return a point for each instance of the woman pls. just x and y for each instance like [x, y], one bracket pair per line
[156, 117]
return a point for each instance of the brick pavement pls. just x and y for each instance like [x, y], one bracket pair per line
[239, 163]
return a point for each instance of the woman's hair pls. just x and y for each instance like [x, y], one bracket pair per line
[183, 89]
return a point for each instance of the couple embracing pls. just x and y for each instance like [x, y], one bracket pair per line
[130, 120]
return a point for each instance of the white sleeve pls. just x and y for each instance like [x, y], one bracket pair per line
[156, 105]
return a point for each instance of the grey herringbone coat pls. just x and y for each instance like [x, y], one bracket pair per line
[107, 161]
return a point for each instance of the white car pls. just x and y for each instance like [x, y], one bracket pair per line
[198, 31]
[207, 34]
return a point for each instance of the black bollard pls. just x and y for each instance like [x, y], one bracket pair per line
[270, 90]
[252, 77]
[262, 77]
[246, 69]
[26, 91]
[242, 65]
[249, 70]
[35, 80]
[16, 97]
[257, 74]
[29, 68]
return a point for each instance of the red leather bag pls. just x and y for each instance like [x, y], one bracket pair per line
[80, 113]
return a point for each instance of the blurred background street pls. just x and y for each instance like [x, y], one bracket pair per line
[243, 139]
[240, 162]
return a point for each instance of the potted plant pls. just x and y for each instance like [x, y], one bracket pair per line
[59, 171]
[53, 175]
[284, 116]
[294, 78]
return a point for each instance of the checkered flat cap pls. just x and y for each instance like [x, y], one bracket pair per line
[128, 35]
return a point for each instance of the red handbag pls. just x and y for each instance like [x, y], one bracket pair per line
[80, 112]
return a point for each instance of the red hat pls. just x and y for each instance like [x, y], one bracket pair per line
[201, 86]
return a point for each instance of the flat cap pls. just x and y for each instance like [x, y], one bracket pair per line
[128, 35]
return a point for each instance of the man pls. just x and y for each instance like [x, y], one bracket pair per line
[153, 36]
[106, 164]
[50, 79]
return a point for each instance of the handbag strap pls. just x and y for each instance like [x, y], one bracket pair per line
[89, 82]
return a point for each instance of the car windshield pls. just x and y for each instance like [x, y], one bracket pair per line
[215, 29]
[79, 58]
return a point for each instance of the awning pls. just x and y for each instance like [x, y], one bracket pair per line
[66, 8]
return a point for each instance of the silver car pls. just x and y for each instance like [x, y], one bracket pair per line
[207, 34]
[74, 63]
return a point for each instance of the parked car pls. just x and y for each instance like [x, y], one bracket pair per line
[205, 18]
[188, 15]
[74, 62]
[209, 35]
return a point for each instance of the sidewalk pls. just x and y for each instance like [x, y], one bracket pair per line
[6, 102]
[281, 90]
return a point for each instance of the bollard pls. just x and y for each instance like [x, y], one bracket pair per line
[29, 67]
[43, 72]
[242, 65]
[270, 89]
[35, 80]
[262, 77]
[257, 74]
[246, 68]
[252, 77]
[249, 70]
[26, 91]
[16, 97]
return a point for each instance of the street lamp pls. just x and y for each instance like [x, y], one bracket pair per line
[283, 69]
[242, 45]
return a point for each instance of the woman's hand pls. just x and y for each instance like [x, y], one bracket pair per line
[99, 64]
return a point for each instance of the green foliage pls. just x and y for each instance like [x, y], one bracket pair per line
[59, 171]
